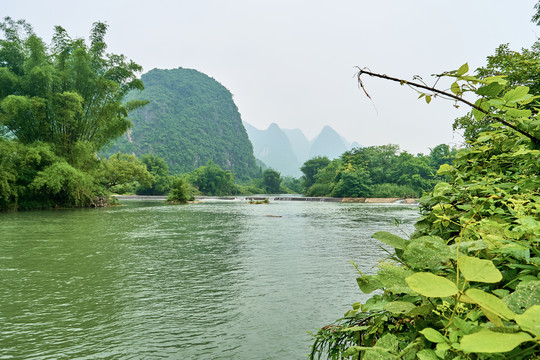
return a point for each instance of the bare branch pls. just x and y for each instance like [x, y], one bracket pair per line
[444, 94]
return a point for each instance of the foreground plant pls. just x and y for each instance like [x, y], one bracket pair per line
[466, 285]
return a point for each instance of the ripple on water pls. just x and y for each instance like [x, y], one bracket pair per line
[204, 281]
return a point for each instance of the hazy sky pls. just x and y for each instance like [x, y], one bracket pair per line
[293, 62]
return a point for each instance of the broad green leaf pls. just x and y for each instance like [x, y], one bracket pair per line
[368, 283]
[517, 94]
[487, 341]
[442, 189]
[445, 169]
[492, 317]
[530, 320]
[428, 98]
[433, 335]
[427, 252]
[390, 239]
[430, 285]
[392, 278]
[474, 269]
[426, 354]
[399, 307]
[519, 113]
[455, 88]
[490, 302]
[463, 69]
[492, 89]
[441, 350]
[497, 79]
[526, 295]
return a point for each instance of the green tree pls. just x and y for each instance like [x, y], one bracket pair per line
[353, 183]
[271, 181]
[159, 169]
[120, 169]
[181, 191]
[70, 93]
[212, 180]
[311, 167]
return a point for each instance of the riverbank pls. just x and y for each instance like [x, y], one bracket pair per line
[280, 198]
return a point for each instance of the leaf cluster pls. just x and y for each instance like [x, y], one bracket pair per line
[466, 285]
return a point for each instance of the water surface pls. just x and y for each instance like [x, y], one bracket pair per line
[216, 280]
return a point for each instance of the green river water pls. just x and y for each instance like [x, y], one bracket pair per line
[215, 280]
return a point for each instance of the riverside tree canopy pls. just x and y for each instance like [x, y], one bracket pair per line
[66, 94]
[59, 105]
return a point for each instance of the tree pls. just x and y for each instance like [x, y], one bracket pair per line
[311, 167]
[68, 94]
[212, 180]
[159, 169]
[120, 168]
[59, 106]
[271, 181]
[181, 191]
[353, 183]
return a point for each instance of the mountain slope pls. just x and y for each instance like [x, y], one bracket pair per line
[191, 119]
[328, 143]
[299, 144]
[272, 147]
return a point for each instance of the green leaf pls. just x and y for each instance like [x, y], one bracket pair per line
[442, 189]
[427, 252]
[368, 283]
[526, 295]
[390, 239]
[399, 307]
[474, 269]
[445, 169]
[463, 69]
[392, 278]
[430, 285]
[433, 335]
[492, 89]
[490, 302]
[428, 98]
[517, 94]
[427, 354]
[487, 341]
[455, 88]
[519, 113]
[530, 320]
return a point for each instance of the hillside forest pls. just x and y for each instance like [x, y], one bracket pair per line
[79, 124]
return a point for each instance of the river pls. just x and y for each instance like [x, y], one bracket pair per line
[214, 280]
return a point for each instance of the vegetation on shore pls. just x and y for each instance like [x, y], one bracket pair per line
[466, 284]
[59, 106]
[375, 171]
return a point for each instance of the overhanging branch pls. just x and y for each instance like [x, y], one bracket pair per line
[440, 92]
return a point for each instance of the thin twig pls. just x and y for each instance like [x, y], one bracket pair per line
[443, 93]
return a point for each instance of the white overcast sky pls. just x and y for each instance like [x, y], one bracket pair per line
[292, 62]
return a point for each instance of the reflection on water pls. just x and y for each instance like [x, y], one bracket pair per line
[203, 281]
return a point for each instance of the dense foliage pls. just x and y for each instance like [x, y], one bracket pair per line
[59, 105]
[375, 171]
[466, 285]
[191, 119]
